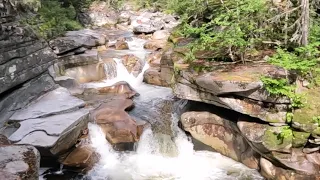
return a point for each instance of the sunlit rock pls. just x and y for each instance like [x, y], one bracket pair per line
[133, 64]
[238, 89]
[117, 125]
[219, 133]
[82, 156]
[155, 44]
[161, 34]
[53, 122]
[121, 44]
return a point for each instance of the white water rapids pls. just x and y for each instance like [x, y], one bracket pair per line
[148, 162]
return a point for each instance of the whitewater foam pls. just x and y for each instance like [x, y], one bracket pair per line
[148, 162]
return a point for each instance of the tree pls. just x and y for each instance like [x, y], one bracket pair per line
[305, 21]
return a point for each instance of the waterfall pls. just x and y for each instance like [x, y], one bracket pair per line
[148, 162]
[110, 69]
[135, 45]
[124, 75]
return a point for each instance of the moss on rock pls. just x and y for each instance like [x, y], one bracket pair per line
[304, 117]
[299, 139]
[316, 132]
[273, 140]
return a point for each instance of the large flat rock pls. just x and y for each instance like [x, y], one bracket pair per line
[57, 132]
[54, 102]
[52, 125]
[276, 114]
[21, 97]
[86, 37]
[235, 87]
[238, 80]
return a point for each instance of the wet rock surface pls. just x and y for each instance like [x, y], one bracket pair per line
[118, 126]
[133, 64]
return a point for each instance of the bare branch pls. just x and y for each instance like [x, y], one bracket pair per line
[284, 13]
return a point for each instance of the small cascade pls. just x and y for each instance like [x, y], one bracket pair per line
[110, 69]
[124, 75]
[60, 171]
[136, 44]
[115, 71]
[149, 162]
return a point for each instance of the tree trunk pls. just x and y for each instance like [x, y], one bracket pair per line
[305, 21]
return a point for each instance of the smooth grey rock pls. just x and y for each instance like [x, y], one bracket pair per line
[251, 108]
[52, 125]
[21, 97]
[80, 50]
[64, 45]
[148, 29]
[57, 101]
[67, 82]
[56, 133]
[38, 139]
[86, 37]
[21, 161]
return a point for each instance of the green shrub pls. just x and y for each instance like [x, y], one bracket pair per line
[286, 132]
[228, 28]
[53, 19]
[281, 87]
[303, 59]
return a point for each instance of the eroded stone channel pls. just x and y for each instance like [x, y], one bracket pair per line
[121, 104]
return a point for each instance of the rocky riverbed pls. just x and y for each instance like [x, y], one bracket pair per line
[117, 101]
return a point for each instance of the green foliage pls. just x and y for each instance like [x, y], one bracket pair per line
[281, 87]
[285, 133]
[289, 117]
[302, 59]
[277, 87]
[228, 28]
[316, 119]
[54, 20]
[159, 4]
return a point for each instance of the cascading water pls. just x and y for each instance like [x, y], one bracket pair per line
[116, 71]
[110, 69]
[158, 156]
[147, 162]
[135, 44]
[124, 75]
